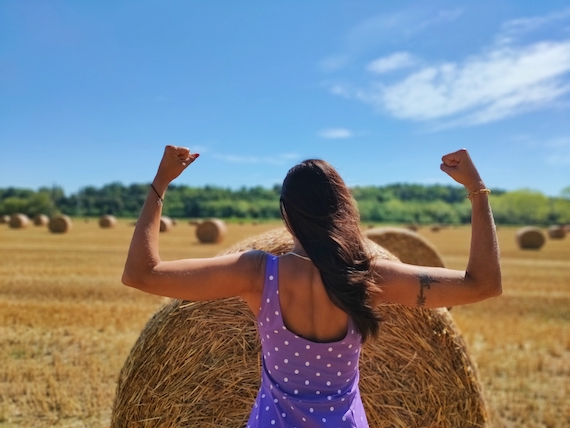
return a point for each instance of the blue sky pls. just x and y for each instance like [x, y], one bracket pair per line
[90, 92]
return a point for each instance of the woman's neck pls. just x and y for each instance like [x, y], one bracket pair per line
[298, 248]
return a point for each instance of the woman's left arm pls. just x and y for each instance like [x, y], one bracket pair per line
[439, 287]
[187, 279]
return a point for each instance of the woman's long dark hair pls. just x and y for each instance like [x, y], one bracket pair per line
[321, 213]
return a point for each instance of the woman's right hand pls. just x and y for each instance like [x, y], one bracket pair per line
[459, 166]
[174, 161]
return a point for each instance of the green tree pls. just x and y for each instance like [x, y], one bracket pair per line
[521, 207]
[561, 210]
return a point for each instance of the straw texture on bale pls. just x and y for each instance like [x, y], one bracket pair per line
[41, 220]
[198, 364]
[165, 224]
[4, 219]
[211, 231]
[19, 221]
[530, 238]
[556, 232]
[107, 221]
[60, 224]
[410, 247]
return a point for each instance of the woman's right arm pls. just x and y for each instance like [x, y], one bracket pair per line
[438, 287]
[238, 274]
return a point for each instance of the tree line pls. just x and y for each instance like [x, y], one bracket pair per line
[394, 203]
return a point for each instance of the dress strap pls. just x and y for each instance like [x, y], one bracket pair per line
[270, 287]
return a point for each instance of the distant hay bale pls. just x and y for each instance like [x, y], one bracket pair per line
[41, 220]
[530, 238]
[195, 222]
[556, 232]
[4, 219]
[410, 247]
[198, 364]
[211, 231]
[107, 221]
[60, 224]
[165, 224]
[19, 221]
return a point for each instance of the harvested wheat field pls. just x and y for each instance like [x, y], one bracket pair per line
[67, 324]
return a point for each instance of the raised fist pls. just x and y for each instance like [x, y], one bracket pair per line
[459, 166]
[174, 160]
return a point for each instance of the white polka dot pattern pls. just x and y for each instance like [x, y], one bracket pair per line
[304, 383]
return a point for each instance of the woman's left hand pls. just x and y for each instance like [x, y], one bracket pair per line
[174, 160]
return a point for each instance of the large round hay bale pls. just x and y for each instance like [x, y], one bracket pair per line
[4, 219]
[60, 224]
[19, 221]
[530, 238]
[198, 364]
[410, 247]
[556, 232]
[211, 231]
[41, 220]
[107, 221]
[165, 224]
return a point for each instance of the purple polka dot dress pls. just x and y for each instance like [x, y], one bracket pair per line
[303, 383]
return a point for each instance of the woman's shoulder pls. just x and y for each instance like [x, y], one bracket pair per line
[255, 258]
[247, 262]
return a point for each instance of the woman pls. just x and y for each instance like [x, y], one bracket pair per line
[315, 306]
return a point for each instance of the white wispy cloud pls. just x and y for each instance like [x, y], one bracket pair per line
[279, 159]
[402, 24]
[503, 81]
[553, 151]
[513, 29]
[392, 62]
[376, 30]
[197, 148]
[499, 84]
[335, 133]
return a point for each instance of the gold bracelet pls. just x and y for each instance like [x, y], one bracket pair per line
[477, 192]
[160, 199]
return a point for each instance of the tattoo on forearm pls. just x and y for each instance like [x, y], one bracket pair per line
[425, 282]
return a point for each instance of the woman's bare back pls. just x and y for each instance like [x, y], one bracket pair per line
[305, 306]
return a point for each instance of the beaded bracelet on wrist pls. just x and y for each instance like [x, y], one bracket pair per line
[160, 199]
[478, 192]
